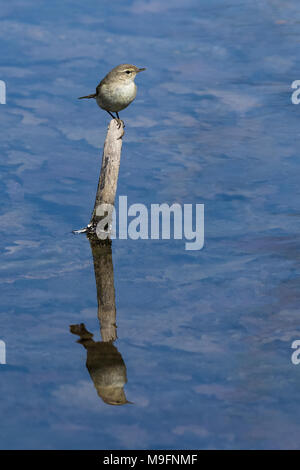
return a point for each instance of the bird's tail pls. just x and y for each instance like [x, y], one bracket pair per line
[88, 96]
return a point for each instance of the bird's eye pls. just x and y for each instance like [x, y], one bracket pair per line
[128, 71]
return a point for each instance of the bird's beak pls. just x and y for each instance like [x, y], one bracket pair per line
[140, 70]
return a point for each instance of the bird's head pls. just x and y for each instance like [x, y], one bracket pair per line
[126, 72]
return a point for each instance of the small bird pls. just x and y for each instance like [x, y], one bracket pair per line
[117, 89]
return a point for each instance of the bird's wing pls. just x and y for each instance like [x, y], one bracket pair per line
[99, 86]
[103, 82]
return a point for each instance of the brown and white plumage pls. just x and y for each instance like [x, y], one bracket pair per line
[117, 89]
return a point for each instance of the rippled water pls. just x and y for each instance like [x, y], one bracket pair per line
[205, 336]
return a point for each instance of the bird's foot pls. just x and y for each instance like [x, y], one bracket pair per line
[120, 123]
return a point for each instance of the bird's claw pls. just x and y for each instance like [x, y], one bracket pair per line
[120, 123]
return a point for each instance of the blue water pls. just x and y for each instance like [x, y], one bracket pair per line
[205, 335]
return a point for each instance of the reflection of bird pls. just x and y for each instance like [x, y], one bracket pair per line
[117, 89]
[105, 365]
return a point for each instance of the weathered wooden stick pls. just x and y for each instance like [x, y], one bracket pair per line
[108, 180]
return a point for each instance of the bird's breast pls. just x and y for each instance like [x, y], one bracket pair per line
[115, 97]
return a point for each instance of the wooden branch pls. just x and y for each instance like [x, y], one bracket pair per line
[108, 180]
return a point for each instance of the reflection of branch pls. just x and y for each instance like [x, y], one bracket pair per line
[104, 362]
[105, 365]
[104, 275]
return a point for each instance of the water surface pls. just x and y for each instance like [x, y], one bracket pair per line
[205, 336]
